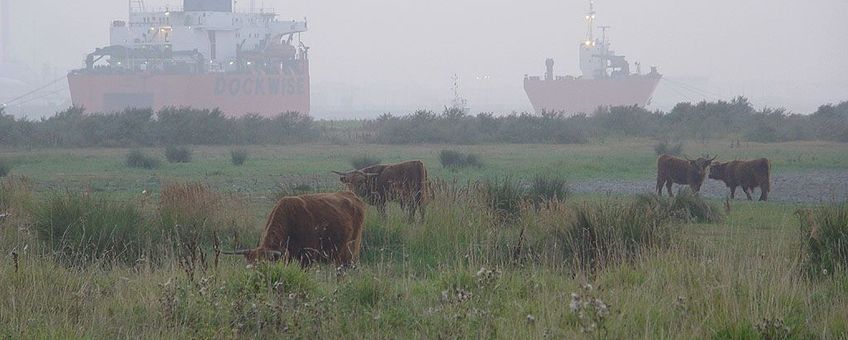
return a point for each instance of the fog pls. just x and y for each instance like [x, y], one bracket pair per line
[373, 56]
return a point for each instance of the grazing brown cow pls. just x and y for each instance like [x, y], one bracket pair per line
[403, 182]
[747, 174]
[672, 170]
[315, 227]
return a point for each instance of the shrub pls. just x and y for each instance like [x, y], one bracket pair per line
[238, 156]
[80, 229]
[607, 233]
[504, 197]
[825, 236]
[545, 188]
[5, 167]
[138, 159]
[685, 206]
[665, 147]
[456, 159]
[363, 161]
[178, 154]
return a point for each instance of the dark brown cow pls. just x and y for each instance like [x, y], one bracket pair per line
[747, 174]
[315, 227]
[403, 182]
[672, 170]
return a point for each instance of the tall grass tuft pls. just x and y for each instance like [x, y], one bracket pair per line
[504, 196]
[79, 229]
[138, 159]
[686, 206]
[457, 159]
[192, 214]
[667, 148]
[825, 236]
[238, 156]
[282, 277]
[178, 154]
[5, 167]
[545, 189]
[15, 194]
[363, 161]
[592, 236]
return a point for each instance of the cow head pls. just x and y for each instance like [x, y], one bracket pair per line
[358, 181]
[718, 170]
[698, 171]
[257, 255]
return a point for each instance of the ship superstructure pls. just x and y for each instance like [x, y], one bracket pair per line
[204, 55]
[605, 80]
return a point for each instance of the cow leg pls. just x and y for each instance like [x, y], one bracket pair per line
[660, 183]
[381, 208]
[733, 192]
[411, 212]
[344, 256]
[748, 192]
[422, 210]
[668, 188]
[763, 194]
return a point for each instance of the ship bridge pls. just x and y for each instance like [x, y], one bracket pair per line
[203, 35]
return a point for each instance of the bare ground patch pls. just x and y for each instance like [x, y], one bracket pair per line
[811, 186]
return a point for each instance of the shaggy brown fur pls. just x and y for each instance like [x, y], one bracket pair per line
[672, 170]
[403, 182]
[315, 227]
[747, 174]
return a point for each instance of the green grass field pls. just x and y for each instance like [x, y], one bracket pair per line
[104, 169]
[452, 275]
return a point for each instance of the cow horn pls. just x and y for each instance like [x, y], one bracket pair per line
[236, 252]
[367, 173]
[686, 157]
[714, 158]
[338, 173]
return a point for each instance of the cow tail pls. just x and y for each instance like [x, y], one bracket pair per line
[765, 186]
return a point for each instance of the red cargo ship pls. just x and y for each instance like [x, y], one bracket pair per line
[202, 56]
[606, 80]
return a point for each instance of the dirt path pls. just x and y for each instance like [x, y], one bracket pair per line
[813, 186]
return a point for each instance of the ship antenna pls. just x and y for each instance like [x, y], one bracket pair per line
[590, 19]
[139, 5]
[604, 33]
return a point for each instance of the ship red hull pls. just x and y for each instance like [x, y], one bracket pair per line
[235, 94]
[576, 95]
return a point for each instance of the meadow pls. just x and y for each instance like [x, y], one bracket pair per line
[587, 265]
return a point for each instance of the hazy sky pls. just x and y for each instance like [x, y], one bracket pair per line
[400, 54]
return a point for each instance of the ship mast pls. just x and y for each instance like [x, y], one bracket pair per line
[590, 20]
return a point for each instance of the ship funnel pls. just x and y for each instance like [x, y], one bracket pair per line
[549, 69]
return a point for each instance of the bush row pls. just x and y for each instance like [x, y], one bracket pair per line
[705, 120]
[180, 126]
[141, 127]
